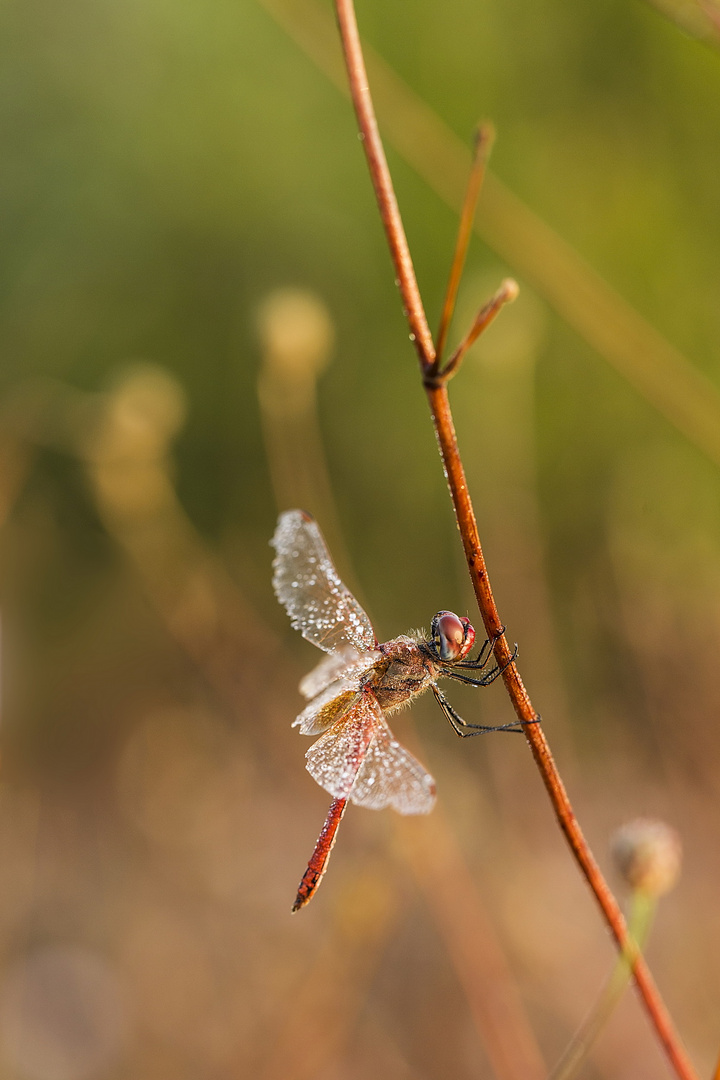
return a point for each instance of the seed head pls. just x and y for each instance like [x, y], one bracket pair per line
[648, 854]
[297, 333]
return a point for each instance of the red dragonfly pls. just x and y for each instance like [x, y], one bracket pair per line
[359, 683]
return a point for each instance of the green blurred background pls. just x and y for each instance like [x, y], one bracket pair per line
[166, 168]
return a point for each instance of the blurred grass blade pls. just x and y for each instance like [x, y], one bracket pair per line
[639, 925]
[699, 18]
[654, 367]
[297, 338]
[482, 968]
[323, 1010]
[126, 449]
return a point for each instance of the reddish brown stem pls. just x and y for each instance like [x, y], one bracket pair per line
[505, 295]
[445, 431]
[483, 143]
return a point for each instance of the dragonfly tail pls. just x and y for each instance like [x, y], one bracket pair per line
[320, 856]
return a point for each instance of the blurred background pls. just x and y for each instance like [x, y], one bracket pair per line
[199, 328]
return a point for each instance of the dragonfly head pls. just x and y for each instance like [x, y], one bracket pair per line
[452, 637]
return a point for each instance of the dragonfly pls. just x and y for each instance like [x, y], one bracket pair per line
[359, 683]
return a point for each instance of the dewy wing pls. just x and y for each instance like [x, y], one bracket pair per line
[307, 584]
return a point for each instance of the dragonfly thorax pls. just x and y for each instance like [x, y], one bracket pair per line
[404, 671]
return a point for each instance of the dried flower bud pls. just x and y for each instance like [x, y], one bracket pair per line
[509, 290]
[297, 333]
[148, 404]
[135, 420]
[648, 854]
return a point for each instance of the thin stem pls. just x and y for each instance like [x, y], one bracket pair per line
[444, 428]
[713, 14]
[507, 292]
[445, 431]
[642, 910]
[484, 138]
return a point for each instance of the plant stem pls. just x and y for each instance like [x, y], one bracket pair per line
[505, 295]
[447, 441]
[642, 911]
[484, 137]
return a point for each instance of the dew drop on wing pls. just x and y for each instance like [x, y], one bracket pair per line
[307, 584]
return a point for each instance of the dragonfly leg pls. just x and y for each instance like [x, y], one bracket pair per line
[463, 728]
[483, 657]
[486, 679]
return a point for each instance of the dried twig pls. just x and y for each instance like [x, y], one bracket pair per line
[484, 138]
[442, 418]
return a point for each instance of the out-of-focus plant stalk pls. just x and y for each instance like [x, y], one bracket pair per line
[452, 896]
[640, 919]
[124, 438]
[319, 1020]
[647, 854]
[15, 459]
[297, 338]
[125, 443]
[699, 18]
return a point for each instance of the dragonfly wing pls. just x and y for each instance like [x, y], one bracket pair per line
[334, 760]
[308, 585]
[328, 707]
[390, 776]
[345, 662]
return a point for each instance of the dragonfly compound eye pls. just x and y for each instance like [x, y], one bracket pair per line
[453, 637]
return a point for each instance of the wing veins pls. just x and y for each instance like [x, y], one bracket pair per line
[306, 582]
